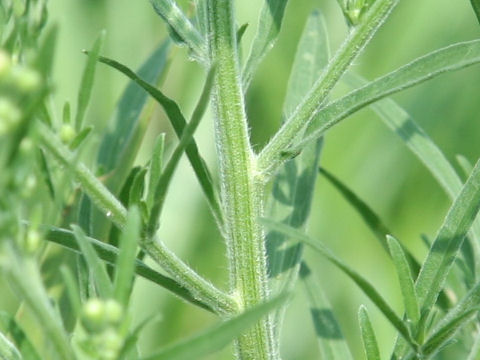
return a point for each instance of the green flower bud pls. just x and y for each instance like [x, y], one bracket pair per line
[32, 241]
[93, 316]
[25, 79]
[113, 312]
[111, 343]
[5, 64]
[67, 133]
[10, 116]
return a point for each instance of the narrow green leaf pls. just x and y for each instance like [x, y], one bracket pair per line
[138, 187]
[103, 283]
[448, 241]
[217, 337]
[80, 138]
[7, 349]
[269, 24]
[475, 348]
[476, 8]
[45, 170]
[46, 53]
[465, 164]
[406, 281]
[186, 140]
[109, 254]
[182, 29]
[132, 338]
[156, 163]
[179, 123]
[368, 335]
[87, 81]
[125, 267]
[23, 343]
[73, 292]
[444, 334]
[451, 58]
[330, 338]
[240, 32]
[119, 146]
[294, 185]
[361, 282]
[66, 114]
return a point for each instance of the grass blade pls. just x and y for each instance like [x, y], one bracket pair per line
[407, 285]
[181, 28]
[448, 241]
[361, 282]
[447, 59]
[104, 285]
[331, 341]
[125, 267]
[23, 343]
[269, 24]
[368, 335]
[185, 140]
[219, 336]
[476, 8]
[178, 123]
[109, 254]
[86, 85]
[294, 185]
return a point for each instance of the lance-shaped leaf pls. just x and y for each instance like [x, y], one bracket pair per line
[269, 24]
[109, 254]
[448, 241]
[330, 338]
[7, 349]
[451, 58]
[368, 335]
[406, 280]
[185, 140]
[476, 8]
[182, 30]
[86, 85]
[178, 123]
[361, 282]
[217, 337]
[294, 185]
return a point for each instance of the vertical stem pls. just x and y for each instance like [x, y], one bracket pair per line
[242, 196]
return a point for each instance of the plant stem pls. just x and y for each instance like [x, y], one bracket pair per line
[242, 195]
[113, 209]
[275, 152]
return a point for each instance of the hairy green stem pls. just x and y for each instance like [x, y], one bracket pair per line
[276, 150]
[200, 288]
[242, 195]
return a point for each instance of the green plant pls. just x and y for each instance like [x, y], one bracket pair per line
[109, 217]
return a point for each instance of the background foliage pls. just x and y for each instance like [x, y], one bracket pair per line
[361, 151]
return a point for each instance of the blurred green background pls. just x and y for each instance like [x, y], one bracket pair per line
[361, 151]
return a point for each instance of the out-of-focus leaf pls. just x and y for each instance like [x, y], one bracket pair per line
[476, 8]
[80, 138]
[95, 265]
[110, 253]
[155, 167]
[465, 164]
[42, 163]
[46, 53]
[185, 140]
[86, 85]
[7, 349]
[73, 292]
[178, 123]
[125, 267]
[132, 338]
[293, 187]
[448, 241]
[361, 282]
[368, 335]
[269, 24]
[407, 285]
[182, 29]
[23, 343]
[331, 341]
[118, 147]
[217, 337]
[451, 58]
